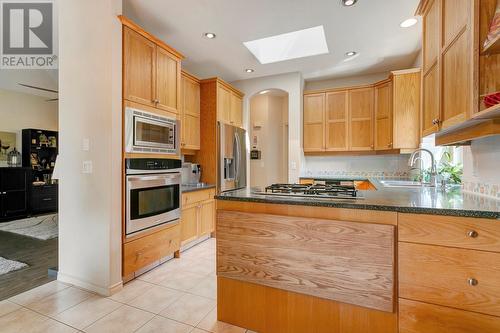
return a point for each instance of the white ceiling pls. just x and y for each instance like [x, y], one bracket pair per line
[44, 78]
[371, 28]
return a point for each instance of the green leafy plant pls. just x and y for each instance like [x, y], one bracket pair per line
[452, 173]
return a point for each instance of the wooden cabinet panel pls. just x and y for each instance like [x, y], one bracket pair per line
[469, 233]
[431, 22]
[406, 109]
[236, 112]
[456, 89]
[337, 121]
[207, 217]
[189, 224]
[195, 197]
[314, 120]
[431, 109]
[223, 104]
[383, 116]
[144, 251]
[139, 61]
[361, 118]
[343, 261]
[167, 81]
[190, 108]
[455, 18]
[190, 97]
[417, 317]
[459, 278]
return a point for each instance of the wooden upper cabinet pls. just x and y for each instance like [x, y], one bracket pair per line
[190, 109]
[430, 109]
[431, 26]
[139, 62]
[223, 104]
[361, 118]
[168, 70]
[236, 111]
[406, 86]
[337, 121]
[314, 120]
[383, 116]
[455, 19]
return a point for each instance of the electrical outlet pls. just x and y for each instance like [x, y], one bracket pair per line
[87, 167]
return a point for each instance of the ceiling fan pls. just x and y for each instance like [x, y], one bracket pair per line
[43, 89]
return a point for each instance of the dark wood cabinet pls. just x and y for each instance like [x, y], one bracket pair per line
[44, 198]
[14, 189]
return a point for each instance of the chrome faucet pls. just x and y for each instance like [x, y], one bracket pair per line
[413, 159]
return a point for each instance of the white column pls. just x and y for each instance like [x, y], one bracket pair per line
[90, 108]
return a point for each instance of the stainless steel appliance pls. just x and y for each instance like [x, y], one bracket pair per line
[232, 157]
[340, 189]
[191, 173]
[153, 193]
[147, 132]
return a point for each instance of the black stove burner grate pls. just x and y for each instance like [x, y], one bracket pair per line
[315, 189]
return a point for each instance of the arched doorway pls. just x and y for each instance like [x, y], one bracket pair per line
[268, 132]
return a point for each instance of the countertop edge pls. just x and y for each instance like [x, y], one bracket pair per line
[348, 205]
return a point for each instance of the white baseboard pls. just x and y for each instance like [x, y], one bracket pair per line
[103, 291]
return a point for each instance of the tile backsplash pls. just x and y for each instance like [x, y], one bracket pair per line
[485, 189]
[386, 166]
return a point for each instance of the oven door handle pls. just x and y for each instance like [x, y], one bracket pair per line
[149, 178]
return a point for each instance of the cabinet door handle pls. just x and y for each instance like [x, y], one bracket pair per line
[472, 282]
[472, 234]
[47, 199]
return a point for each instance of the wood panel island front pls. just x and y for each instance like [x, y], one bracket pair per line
[292, 268]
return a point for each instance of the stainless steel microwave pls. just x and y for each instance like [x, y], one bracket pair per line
[147, 132]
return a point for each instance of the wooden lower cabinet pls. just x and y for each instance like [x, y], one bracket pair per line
[418, 317]
[198, 215]
[149, 249]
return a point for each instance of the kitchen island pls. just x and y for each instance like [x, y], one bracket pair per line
[397, 260]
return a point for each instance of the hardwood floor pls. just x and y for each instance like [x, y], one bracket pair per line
[40, 255]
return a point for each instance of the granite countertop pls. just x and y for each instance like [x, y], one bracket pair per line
[426, 200]
[198, 187]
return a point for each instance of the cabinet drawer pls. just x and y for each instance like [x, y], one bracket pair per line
[469, 233]
[459, 278]
[190, 198]
[146, 250]
[416, 317]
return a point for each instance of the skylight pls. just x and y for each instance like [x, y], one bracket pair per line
[292, 45]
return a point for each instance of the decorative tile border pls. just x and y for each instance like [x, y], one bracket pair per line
[488, 190]
[358, 174]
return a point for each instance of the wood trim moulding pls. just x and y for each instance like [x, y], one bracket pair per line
[225, 84]
[407, 71]
[463, 133]
[134, 26]
[190, 76]
[422, 7]
[321, 91]
[352, 152]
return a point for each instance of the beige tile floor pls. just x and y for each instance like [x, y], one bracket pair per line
[179, 296]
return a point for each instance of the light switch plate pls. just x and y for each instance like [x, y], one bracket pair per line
[87, 167]
[86, 144]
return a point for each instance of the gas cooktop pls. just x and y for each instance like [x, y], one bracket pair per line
[345, 190]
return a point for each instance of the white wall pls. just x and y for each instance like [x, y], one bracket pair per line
[293, 84]
[266, 111]
[90, 107]
[18, 111]
[345, 81]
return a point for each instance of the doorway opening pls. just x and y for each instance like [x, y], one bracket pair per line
[268, 131]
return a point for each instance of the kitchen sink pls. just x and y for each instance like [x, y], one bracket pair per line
[402, 183]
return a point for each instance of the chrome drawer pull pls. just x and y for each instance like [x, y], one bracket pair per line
[472, 282]
[472, 234]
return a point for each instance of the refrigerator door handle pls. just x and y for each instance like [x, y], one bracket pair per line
[238, 158]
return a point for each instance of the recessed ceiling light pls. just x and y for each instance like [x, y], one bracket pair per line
[249, 70]
[210, 35]
[291, 45]
[264, 92]
[348, 3]
[408, 23]
[351, 53]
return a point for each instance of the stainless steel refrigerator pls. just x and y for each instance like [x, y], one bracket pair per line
[232, 161]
